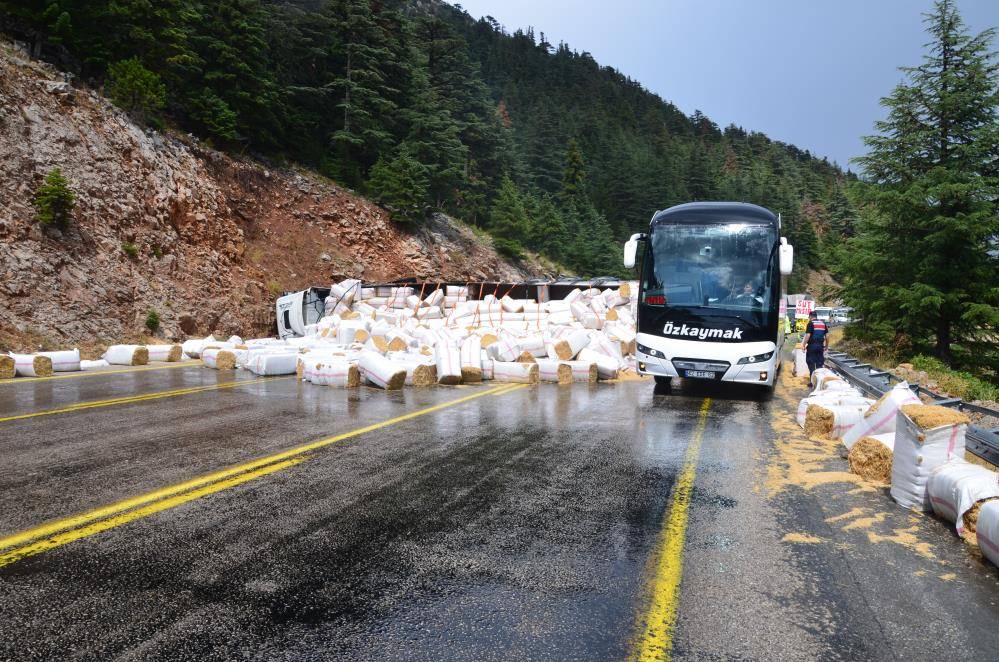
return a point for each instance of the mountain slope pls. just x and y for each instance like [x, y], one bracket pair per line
[215, 237]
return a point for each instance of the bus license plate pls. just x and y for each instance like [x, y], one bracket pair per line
[701, 374]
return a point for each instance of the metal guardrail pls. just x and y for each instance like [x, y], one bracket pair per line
[983, 442]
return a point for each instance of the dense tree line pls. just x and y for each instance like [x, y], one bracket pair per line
[422, 107]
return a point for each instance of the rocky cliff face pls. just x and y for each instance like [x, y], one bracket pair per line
[217, 238]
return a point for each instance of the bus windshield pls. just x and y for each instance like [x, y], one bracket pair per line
[724, 267]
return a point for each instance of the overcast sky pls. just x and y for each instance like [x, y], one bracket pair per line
[807, 72]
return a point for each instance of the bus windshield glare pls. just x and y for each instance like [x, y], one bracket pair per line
[723, 267]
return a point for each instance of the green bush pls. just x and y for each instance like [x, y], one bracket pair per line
[130, 249]
[54, 200]
[136, 89]
[961, 384]
[153, 321]
[508, 248]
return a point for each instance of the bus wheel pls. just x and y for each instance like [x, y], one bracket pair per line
[664, 382]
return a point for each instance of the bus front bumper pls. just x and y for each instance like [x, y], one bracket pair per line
[666, 357]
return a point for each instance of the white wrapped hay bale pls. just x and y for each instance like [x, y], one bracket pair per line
[273, 364]
[7, 367]
[168, 353]
[880, 417]
[583, 371]
[988, 531]
[32, 365]
[515, 372]
[195, 346]
[554, 371]
[833, 419]
[99, 364]
[956, 486]
[800, 364]
[67, 360]
[219, 358]
[381, 371]
[607, 367]
[329, 372]
[585, 315]
[926, 437]
[448, 364]
[471, 359]
[871, 457]
[534, 345]
[503, 349]
[571, 344]
[127, 355]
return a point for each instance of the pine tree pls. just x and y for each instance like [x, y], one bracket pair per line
[135, 88]
[508, 219]
[54, 200]
[402, 185]
[921, 262]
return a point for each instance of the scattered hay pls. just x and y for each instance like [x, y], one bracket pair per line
[929, 417]
[877, 405]
[819, 421]
[6, 367]
[225, 360]
[971, 516]
[871, 460]
[471, 374]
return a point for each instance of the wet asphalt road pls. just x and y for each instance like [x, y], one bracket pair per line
[513, 525]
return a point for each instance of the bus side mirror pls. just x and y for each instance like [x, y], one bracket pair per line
[630, 249]
[786, 257]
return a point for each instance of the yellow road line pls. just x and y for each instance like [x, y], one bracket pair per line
[45, 544]
[225, 476]
[655, 630]
[128, 399]
[97, 373]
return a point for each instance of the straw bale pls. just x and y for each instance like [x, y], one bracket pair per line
[471, 374]
[380, 343]
[819, 421]
[42, 366]
[488, 339]
[397, 344]
[225, 360]
[625, 290]
[611, 315]
[928, 417]
[525, 357]
[971, 515]
[6, 367]
[877, 404]
[871, 460]
[423, 374]
[361, 335]
[583, 371]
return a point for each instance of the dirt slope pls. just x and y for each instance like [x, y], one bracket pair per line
[217, 237]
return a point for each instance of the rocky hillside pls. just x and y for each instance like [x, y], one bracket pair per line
[215, 238]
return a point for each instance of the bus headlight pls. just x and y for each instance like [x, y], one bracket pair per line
[651, 352]
[756, 359]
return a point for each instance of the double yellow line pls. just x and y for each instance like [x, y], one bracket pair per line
[128, 399]
[654, 639]
[98, 373]
[55, 534]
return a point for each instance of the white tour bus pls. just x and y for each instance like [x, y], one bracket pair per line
[712, 293]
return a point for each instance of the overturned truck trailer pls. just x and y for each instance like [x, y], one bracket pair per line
[296, 311]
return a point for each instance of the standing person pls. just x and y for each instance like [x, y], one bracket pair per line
[816, 342]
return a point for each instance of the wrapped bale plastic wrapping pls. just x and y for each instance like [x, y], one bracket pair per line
[514, 372]
[827, 399]
[954, 487]
[926, 437]
[127, 355]
[7, 369]
[583, 371]
[503, 350]
[471, 360]
[341, 374]
[32, 365]
[800, 365]
[67, 360]
[448, 364]
[607, 367]
[273, 364]
[169, 353]
[555, 371]
[195, 346]
[880, 417]
[99, 364]
[381, 371]
[871, 457]
[988, 531]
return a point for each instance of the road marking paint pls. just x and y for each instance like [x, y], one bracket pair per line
[46, 544]
[98, 373]
[128, 399]
[655, 636]
[83, 522]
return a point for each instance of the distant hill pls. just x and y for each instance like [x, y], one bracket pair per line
[423, 107]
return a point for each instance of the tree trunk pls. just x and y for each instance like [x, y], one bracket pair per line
[943, 340]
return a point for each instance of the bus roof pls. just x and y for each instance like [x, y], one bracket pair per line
[715, 212]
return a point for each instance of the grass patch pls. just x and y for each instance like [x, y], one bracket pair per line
[962, 384]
